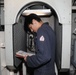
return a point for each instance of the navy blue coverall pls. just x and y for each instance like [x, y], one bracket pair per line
[43, 60]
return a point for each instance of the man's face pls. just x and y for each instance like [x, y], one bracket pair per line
[32, 28]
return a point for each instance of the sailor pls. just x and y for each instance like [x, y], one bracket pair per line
[43, 60]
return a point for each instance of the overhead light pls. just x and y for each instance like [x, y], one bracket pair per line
[39, 12]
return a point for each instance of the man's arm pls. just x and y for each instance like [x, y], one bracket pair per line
[43, 53]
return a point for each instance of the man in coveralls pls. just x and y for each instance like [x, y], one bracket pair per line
[43, 60]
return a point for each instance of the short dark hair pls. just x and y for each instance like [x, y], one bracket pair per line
[28, 20]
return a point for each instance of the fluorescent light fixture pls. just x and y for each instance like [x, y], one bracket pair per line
[39, 12]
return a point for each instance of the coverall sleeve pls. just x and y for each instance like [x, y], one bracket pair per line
[43, 54]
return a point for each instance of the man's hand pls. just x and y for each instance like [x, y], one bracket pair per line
[25, 57]
[21, 56]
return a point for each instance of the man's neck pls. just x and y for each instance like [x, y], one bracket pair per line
[40, 24]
